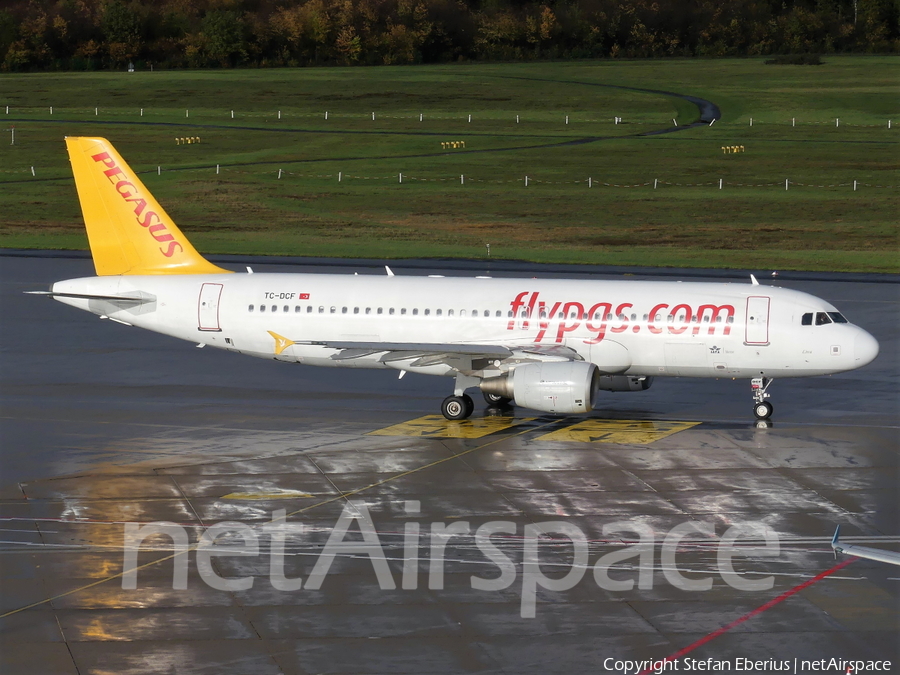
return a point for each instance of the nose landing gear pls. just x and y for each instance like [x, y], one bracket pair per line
[762, 409]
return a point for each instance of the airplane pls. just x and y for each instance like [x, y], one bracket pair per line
[548, 345]
[878, 554]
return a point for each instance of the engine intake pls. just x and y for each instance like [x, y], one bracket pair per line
[556, 387]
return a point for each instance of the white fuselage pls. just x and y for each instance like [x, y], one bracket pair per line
[639, 328]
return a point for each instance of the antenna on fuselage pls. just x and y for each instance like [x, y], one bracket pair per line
[753, 280]
[388, 270]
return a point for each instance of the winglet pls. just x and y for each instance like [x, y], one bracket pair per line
[129, 232]
[281, 342]
[835, 544]
[753, 280]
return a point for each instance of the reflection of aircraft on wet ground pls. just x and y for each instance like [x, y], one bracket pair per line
[550, 345]
[878, 554]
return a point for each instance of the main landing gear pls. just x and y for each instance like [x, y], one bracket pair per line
[762, 409]
[457, 407]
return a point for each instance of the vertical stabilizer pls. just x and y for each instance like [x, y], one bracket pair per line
[129, 232]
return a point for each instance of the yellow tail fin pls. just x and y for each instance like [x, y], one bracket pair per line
[128, 230]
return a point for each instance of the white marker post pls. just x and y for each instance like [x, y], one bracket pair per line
[339, 176]
[279, 114]
[854, 186]
[462, 179]
[837, 121]
[7, 112]
[232, 114]
[567, 119]
[713, 121]
[655, 182]
[400, 176]
[12, 140]
[326, 114]
[590, 182]
[517, 119]
[785, 183]
[793, 121]
[95, 112]
[279, 174]
[159, 171]
[142, 112]
[373, 117]
[751, 121]
[526, 181]
[217, 169]
[470, 118]
[32, 171]
[720, 183]
[51, 109]
[674, 122]
[421, 117]
[187, 113]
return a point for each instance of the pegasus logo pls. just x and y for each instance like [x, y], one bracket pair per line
[144, 217]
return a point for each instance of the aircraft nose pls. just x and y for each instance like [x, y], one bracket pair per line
[865, 348]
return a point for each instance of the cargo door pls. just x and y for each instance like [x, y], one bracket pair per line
[757, 324]
[208, 307]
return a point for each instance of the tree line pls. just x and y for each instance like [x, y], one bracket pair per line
[108, 34]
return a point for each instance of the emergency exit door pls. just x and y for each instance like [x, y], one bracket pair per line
[757, 324]
[208, 307]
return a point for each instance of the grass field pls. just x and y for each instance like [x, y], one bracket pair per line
[820, 222]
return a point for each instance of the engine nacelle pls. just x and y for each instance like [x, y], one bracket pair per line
[624, 383]
[556, 387]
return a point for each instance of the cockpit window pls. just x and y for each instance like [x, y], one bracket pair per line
[837, 317]
[806, 319]
[822, 318]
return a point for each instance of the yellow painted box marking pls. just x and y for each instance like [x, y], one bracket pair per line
[626, 432]
[436, 426]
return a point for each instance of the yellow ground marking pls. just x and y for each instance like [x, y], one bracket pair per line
[628, 432]
[274, 493]
[436, 426]
[324, 502]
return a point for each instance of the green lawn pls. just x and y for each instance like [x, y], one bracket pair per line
[820, 222]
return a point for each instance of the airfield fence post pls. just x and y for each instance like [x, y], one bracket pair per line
[837, 121]
[421, 117]
[720, 183]
[187, 113]
[373, 116]
[655, 181]
[517, 118]
[279, 174]
[589, 182]
[470, 118]
[159, 171]
[751, 121]
[400, 176]
[674, 123]
[51, 109]
[793, 121]
[7, 112]
[526, 181]
[32, 171]
[142, 112]
[95, 112]
[785, 183]
[326, 114]
[854, 186]
[217, 169]
[232, 114]
[567, 119]
[339, 176]
[462, 179]
[279, 114]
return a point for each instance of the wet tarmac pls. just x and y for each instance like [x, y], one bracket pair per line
[104, 425]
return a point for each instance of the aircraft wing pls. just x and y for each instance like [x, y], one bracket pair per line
[878, 554]
[427, 354]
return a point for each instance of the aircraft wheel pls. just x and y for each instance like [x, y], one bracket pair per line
[497, 400]
[457, 408]
[763, 411]
[470, 404]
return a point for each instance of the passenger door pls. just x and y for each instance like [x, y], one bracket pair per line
[757, 324]
[208, 307]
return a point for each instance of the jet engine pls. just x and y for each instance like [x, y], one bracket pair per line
[623, 383]
[556, 387]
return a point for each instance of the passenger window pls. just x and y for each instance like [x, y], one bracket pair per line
[274, 308]
[286, 309]
[474, 313]
[806, 319]
[250, 308]
[321, 310]
[822, 318]
[262, 308]
[333, 310]
[449, 312]
[646, 316]
[309, 309]
[343, 310]
[634, 317]
[509, 314]
[730, 319]
[379, 311]
[487, 313]
[415, 312]
[356, 310]
[438, 312]
[718, 319]
[427, 312]
[499, 313]
[298, 309]
[403, 310]
[543, 315]
[609, 317]
[462, 312]
[368, 310]
[837, 317]
[391, 310]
